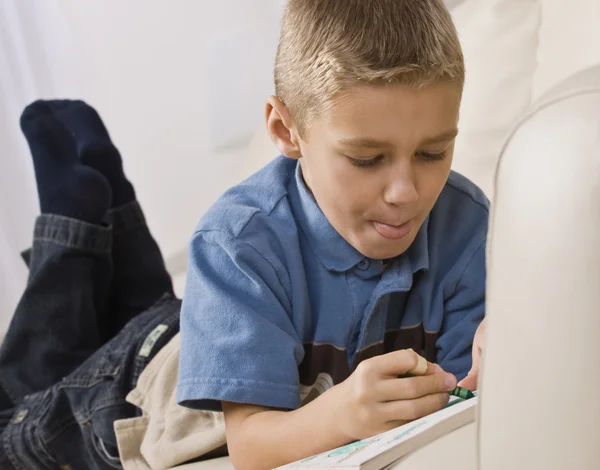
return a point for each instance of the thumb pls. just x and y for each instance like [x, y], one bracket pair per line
[470, 381]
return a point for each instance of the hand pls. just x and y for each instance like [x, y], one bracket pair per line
[470, 381]
[373, 399]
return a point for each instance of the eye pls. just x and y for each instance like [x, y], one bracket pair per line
[365, 162]
[431, 157]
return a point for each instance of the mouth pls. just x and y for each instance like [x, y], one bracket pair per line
[393, 232]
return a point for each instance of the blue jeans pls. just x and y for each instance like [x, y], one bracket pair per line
[82, 333]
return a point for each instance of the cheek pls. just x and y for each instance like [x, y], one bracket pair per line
[348, 197]
[344, 192]
[432, 181]
[359, 190]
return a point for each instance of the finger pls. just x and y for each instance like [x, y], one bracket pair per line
[424, 368]
[407, 410]
[433, 368]
[470, 381]
[477, 353]
[430, 368]
[481, 329]
[413, 387]
[401, 362]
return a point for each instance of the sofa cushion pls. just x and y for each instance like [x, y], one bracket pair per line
[499, 40]
[569, 41]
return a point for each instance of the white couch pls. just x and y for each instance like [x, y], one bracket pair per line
[531, 106]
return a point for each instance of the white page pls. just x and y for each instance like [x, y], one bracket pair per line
[352, 456]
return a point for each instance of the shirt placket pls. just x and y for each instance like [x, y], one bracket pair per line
[374, 318]
[366, 271]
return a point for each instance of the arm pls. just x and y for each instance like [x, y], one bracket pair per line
[264, 438]
[372, 400]
[238, 341]
[239, 345]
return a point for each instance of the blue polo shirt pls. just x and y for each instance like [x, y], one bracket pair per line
[279, 307]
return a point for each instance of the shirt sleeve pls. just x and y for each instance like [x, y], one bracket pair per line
[463, 312]
[238, 342]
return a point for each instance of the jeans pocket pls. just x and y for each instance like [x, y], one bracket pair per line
[106, 451]
[102, 433]
[78, 446]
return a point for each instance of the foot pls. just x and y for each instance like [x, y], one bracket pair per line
[94, 146]
[65, 186]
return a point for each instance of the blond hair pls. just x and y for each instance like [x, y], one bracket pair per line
[329, 46]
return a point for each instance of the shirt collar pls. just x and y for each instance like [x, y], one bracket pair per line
[418, 251]
[333, 251]
[329, 246]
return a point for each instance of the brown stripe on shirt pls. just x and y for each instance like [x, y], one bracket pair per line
[331, 360]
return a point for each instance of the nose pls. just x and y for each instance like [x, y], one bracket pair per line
[401, 187]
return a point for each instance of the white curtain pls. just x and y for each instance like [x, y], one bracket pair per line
[180, 84]
[19, 203]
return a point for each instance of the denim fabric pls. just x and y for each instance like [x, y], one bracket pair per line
[139, 275]
[58, 322]
[70, 425]
[61, 366]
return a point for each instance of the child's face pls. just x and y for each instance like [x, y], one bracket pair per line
[378, 162]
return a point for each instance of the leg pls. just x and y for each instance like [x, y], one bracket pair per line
[71, 424]
[139, 277]
[55, 325]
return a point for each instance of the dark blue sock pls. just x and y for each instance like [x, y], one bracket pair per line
[94, 146]
[65, 186]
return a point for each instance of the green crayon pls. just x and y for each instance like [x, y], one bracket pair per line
[462, 393]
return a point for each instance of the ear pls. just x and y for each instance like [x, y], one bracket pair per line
[281, 128]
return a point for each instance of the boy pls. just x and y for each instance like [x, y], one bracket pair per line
[67, 362]
[310, 282]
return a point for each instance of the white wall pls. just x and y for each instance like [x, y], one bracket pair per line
[180, 84]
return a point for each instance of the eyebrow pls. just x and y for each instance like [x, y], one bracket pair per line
[367, 142]
[447, 135]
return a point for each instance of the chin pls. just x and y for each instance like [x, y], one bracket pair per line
[384, 252]
[381, 248]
